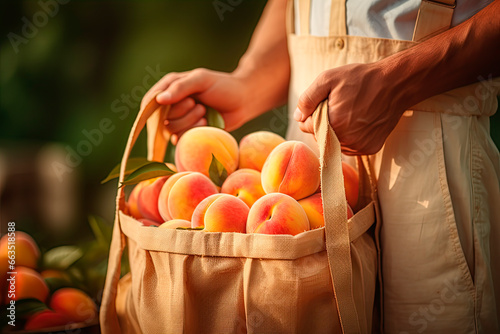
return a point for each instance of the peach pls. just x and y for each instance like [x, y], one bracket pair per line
[195, 148]
[46, 319]
[148, 200]
[133, 199]
[175, 223]
[277, 213]
[292, 168]
[198, 217]
[221, 213]
[74, 304]
[255, 147]
[181, 194]
[313, 206]
[245, 184]
[351, 183]
[132, 203]
[26, 283]
[22, 246]
[149, 222]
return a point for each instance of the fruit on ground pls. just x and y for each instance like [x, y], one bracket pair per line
[255, 148]
[75, 304]
[277, 213]
[148, 200]
[351, 183]
[28, 284]
[195, 148]
[221, 213]
[245, 184]
[313, 207]
[46, 319]
[181, 194]
[26, 250]
[292, 168]
[175, 223]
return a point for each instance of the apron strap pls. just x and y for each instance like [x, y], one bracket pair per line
[337, 18]
[303, 13]
[433, 18]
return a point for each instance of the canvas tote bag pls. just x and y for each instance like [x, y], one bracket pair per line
[320, 281]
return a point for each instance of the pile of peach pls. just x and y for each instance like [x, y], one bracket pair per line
[64, 306]
[273, 186]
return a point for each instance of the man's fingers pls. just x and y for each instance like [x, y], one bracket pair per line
[196, 81]
[175, 137]
[311, 97]
[307, 126]
[180, 109]
[187, 121]
[160, 86]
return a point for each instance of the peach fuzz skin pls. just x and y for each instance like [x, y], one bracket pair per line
[292, 168]
[277, 214]
[175, 223]
[244, 184]
[132, 202]
[221, 213]
[255, 148]
[182, 193]
[29, 284]
[46, 319]
[147, 201]
[195, 148]
[74, 304]
[313, 207]
[351, 183]
[26, 250]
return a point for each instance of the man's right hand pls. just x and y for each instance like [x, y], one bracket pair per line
[189, 93]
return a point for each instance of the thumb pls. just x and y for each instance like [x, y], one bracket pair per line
[311, 98]
[195, 82]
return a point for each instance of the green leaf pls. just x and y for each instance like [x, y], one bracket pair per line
[217, 172]
[26, 307]
[101, 229]
[62, 257]
[132, 165]
[151, 170]
[55, 283]
[215, 119]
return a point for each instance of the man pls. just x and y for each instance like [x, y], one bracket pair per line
[416, 107]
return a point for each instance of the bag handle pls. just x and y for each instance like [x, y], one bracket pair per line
[153, 115]
[335, 213]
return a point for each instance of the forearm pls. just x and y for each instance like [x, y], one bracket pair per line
[455, 58]
[265, 67]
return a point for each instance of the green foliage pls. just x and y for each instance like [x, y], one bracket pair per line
[217, 172]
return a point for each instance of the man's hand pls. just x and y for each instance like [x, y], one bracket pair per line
[189, 93]
[362, 106]
[367, 100]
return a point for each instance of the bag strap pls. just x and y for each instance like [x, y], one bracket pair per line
[153, 114]
[433, 18]
[335, 212]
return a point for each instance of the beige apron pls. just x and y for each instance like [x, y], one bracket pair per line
[438, 184]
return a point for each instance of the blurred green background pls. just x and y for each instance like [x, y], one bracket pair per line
[84, 65]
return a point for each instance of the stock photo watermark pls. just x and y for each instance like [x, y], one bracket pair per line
[121, 107]
[47, 10]
[222, 7]
[11, 273]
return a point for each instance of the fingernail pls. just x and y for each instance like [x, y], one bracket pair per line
[297, 115]
[164, 96]
[174, 139]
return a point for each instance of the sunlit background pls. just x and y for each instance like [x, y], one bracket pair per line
[70, 84]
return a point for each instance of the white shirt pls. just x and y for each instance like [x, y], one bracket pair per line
[394, 19]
